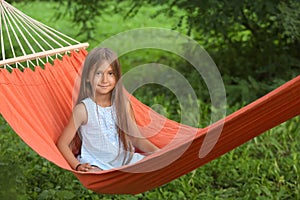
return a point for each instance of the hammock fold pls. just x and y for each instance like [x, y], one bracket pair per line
[37, 105]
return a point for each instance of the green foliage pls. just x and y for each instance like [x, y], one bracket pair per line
[254, 44]
[82, 10]
[249, 41]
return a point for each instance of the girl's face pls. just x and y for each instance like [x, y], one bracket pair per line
[103, 81]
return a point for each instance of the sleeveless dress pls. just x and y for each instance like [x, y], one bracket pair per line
[100, 142]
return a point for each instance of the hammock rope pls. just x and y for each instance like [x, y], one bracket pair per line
[47, 96]
[41, 41]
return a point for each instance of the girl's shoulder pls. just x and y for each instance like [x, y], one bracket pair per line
[80, 113]
[87, 100]
[88, 103]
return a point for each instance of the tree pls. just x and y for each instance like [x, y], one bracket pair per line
[255, 44]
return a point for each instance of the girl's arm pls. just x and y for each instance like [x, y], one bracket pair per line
[144, 145]
[139, 141]
[78, 117]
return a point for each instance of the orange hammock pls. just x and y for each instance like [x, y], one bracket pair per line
[37, 105]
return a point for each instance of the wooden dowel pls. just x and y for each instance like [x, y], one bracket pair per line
[43, 54]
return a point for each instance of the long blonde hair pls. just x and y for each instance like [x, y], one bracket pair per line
[124, 121]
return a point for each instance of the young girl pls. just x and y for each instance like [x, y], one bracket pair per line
[103, 118]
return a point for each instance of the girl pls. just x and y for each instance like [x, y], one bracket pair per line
[103, 117]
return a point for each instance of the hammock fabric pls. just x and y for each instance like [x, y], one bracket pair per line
[37, 105]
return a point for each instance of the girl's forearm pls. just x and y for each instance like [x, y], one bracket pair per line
[68, 155]
[146, 146]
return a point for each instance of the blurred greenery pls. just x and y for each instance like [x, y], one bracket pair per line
[254, 44]
[256, 48]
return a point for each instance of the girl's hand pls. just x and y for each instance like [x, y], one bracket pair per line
[85, 167]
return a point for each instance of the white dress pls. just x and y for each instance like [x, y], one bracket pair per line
[100, 142]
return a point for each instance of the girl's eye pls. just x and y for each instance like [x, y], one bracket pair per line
[99, 73]
[110, 73]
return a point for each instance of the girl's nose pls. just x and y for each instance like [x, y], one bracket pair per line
[104, 78]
